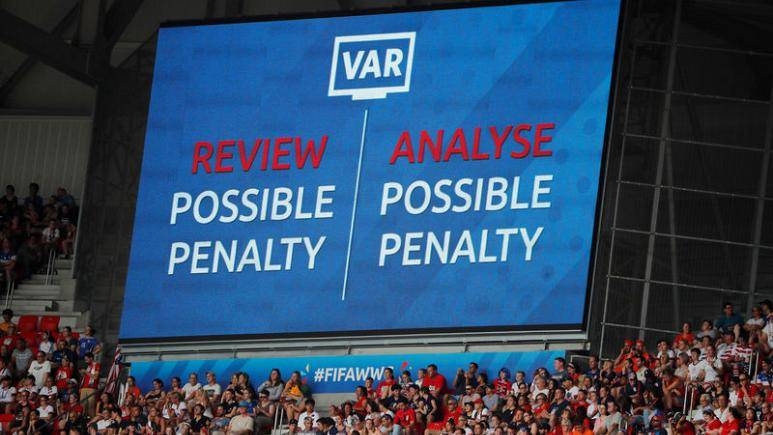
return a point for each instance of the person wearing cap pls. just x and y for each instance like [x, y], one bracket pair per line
[241, 423]
[479, 411]
[711, 422]
[491, 399]
[371, 428]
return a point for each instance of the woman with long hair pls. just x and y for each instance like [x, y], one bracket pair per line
[274, 385]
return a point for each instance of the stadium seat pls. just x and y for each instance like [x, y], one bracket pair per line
[49, 323]
[5, 420]
[28, 324]
[31, 338]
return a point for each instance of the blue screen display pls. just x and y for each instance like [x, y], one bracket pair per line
[433, 170]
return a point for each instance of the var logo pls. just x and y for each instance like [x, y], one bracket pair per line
[369, 67]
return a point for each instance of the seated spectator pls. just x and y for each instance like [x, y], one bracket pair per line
[9, 201]
[293, 396]
[241, 423]
[729, 321]
[67, 242]
[7, 261]
[50, 238]
[34, 200]
[274, 385]
[7, 323]
[21, 358]
[212, 389]
[7, 395]
[40, 369]
[46, 345]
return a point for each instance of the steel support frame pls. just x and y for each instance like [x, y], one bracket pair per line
[10, 84]
[665, 133]
[760, 207]
[48, 48]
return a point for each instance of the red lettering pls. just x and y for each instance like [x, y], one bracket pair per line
[222, 154]
[404, 141]
[202, 159]
[247, 160]
[539, 139]
[524, 142]
[279, 152]
[476, 154]
[457, 138]
[316, 155]
[436, 148]
[264, 157]
[499, 141]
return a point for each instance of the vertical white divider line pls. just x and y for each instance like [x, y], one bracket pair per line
[354, 205]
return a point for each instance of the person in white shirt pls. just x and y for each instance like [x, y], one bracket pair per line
[7, 395]
[49, 390]
[45, 409]
[4, 371]
[47, 346]
[309, 412]
[212, 389]
[40, 368]
[191, 387]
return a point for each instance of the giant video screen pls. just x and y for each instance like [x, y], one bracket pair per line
[402, 172]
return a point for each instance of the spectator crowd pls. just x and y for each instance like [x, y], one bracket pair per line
[48, 383]
[31, 229]
[716, 380]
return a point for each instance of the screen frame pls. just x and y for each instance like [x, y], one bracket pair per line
[542, 329]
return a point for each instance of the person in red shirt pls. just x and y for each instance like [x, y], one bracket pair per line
[732, 426]
[385, 386]
[502, 384]
[712, 425]
[372, 393]
[63, 374]
[686, 334]
[89, 383]
[360, 401]
[452, 411]
[746, 390]
[405, 416]
[626, 352]
[434, 380]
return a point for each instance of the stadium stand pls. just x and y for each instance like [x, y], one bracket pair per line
[714, 381]
[37, 240]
